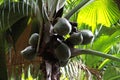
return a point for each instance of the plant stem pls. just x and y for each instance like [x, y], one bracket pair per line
[77, 52]
[75, 9]
[3, 67]
[39, 17]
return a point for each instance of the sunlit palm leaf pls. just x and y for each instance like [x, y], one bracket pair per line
[99, 12]
[1, 1]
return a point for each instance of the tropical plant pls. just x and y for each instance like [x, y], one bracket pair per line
[39, 37]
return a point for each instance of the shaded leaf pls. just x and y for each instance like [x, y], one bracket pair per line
[16, 30]
[3, 67]
[118, 3]
[10, 13]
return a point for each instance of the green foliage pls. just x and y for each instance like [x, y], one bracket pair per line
[1, 2]
[99, 12]
[105, 36]
[115, 73]
[104, 43]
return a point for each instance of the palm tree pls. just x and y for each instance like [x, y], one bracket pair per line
[19, 19]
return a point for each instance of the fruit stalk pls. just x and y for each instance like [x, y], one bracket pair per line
[76, 52]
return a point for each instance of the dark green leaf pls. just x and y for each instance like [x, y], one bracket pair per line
[3, 67]
[10, 13]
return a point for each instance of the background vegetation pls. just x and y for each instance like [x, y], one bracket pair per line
[102, 17]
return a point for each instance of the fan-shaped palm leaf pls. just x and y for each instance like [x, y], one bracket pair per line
[99, 12]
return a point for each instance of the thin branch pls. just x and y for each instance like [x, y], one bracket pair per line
[76, 52]
[75, 9]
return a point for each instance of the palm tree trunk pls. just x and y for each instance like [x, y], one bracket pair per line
[3, 68]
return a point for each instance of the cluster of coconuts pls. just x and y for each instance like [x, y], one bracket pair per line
[62, 28]
[62, 51]
[29, 52]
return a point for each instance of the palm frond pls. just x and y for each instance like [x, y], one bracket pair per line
[99, 12]
[11, 12]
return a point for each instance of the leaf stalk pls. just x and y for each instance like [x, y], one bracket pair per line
[77, 52]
